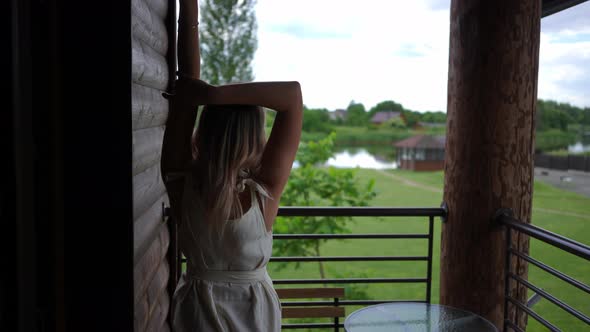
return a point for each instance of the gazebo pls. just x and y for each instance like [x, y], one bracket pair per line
[421, 153]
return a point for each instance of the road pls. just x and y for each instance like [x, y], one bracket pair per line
[575, 181]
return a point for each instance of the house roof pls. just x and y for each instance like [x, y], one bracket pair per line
[385, 116]
[337, 114]
[422, 141]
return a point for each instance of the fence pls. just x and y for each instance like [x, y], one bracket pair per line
[569, 162]
[578, 249]
[428, 213]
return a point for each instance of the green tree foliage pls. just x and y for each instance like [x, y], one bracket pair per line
[356, 115]
[316, 120]
[388, 105]
[585, 117]
[228, 40]
[313, 185]
[269, 116]
[411, 117]
[397, 122]
[433, 117]
[552, 115]
[554, 139]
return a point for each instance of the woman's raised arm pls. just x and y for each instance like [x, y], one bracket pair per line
[176, 147]
[280, 150]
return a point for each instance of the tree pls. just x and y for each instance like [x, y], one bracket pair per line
[551, 115]
[434, 117]
[228, 40]
[356, 115]
[310, 185]
[412, 117]
[316, 120]
[388, 105]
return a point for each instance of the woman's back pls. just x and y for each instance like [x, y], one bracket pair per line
[226, 286]
[242, 244]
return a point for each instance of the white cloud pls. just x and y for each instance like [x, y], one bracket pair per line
[380, 50]
[383, 49]
[564, 58]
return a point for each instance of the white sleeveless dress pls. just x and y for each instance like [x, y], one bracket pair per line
[226, 286]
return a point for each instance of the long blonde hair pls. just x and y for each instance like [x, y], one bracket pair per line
[227, 148]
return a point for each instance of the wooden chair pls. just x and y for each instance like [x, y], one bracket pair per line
[321, 311]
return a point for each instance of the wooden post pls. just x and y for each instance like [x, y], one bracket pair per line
[492, 93]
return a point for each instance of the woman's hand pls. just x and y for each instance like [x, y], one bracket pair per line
[192, 92]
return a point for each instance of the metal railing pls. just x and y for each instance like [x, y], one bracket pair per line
[429, 213]
[504, 217]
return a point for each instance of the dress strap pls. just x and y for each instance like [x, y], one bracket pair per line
[246, 180]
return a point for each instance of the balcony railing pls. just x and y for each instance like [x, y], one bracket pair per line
[505, 218]
[428, 213]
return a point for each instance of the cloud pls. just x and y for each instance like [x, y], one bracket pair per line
[575, 19]
[378, 50]
[439, 4]
[301, 31]
[564, 56]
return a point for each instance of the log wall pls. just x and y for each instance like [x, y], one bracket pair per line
[150, 77]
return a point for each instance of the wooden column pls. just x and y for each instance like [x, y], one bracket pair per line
[492, 93]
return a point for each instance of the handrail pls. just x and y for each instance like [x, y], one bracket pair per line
[359, 211]
[561, 242]
[504, 217]
[427, 213]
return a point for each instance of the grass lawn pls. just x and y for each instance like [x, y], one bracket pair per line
[556, 210]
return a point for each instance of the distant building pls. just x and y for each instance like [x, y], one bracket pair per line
[338, 114]
[421, 153]
[384, 116]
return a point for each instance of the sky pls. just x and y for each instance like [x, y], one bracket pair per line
[340, 51]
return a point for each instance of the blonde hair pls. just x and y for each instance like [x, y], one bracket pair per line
[227, 149]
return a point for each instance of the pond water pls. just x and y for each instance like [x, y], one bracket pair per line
[579, 147]
[376, 157]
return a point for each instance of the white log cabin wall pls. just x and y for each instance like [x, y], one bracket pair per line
[149, 113]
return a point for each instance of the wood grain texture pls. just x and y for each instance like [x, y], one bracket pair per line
[151, 305]
[151, 275]
[157, 320]
[492, 95]
[150, 74]
[148, 67]
[157, 287]
[313, 312]
[147, 266]
[148, 187]
[147, 148]
[145, 228]
[140, 315]
[148, 28]
[148, 107]
[159, 7]
[310, 293]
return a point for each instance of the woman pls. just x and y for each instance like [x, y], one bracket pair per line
[227, 195]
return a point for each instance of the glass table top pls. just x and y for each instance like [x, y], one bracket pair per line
[408, 316]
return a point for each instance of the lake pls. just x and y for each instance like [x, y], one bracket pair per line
[579, 147]
[375, 157]
[383, 157]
